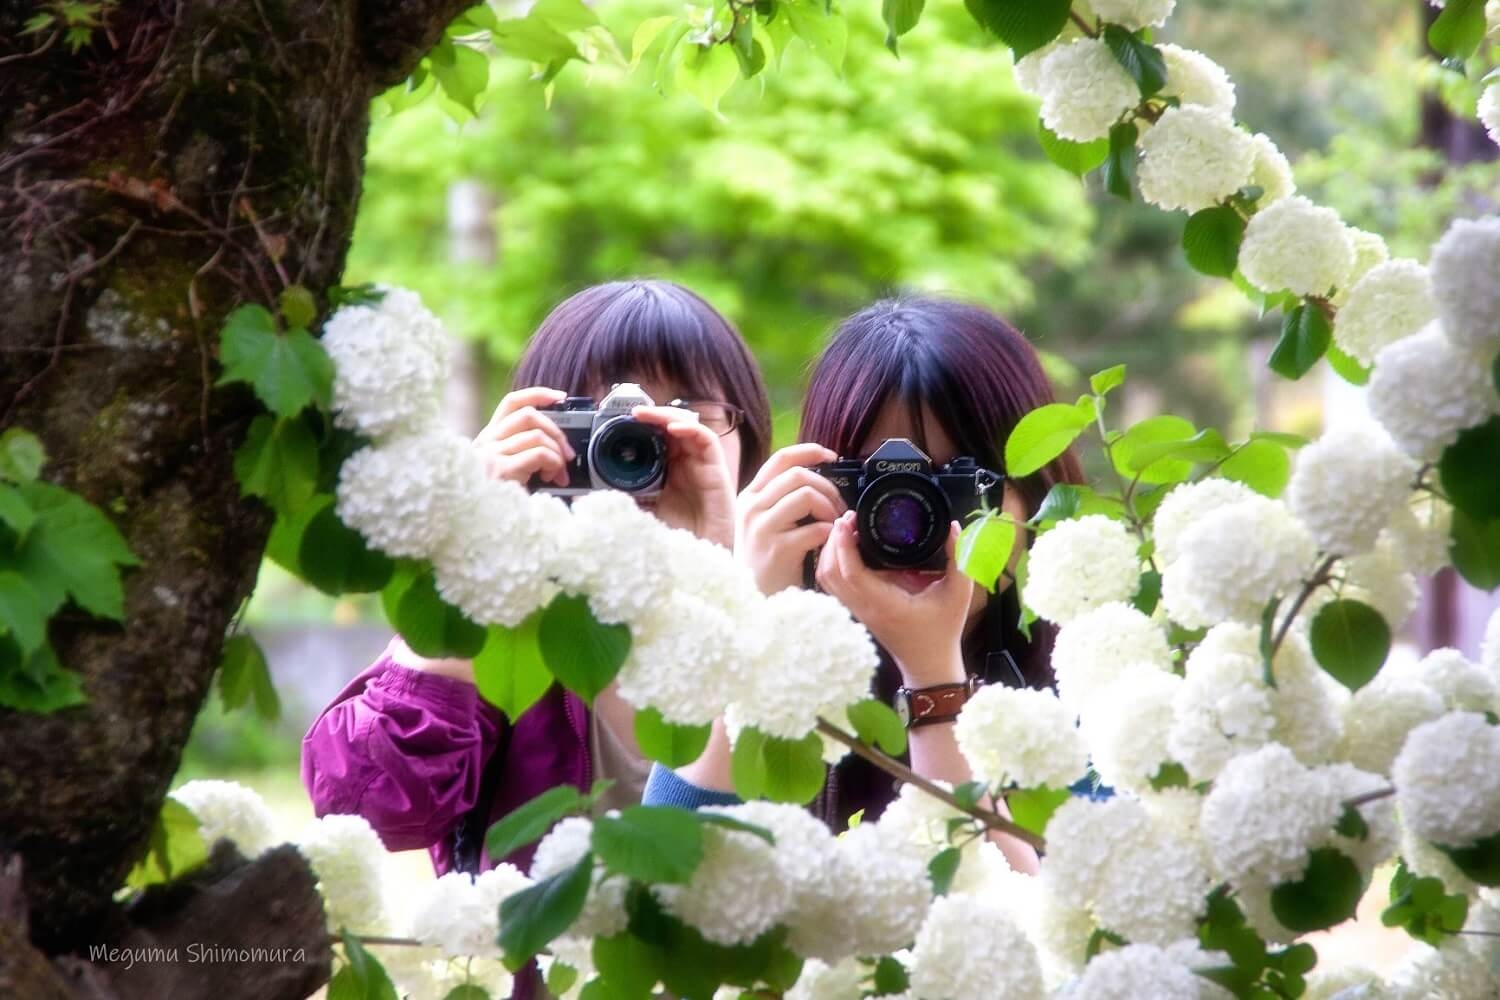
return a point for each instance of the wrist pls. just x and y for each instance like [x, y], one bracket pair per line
[930, 667]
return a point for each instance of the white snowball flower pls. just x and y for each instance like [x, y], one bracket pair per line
[349, 860]
[1135, 14]
[1271, 172]
[1464, 686]
[1447, 779]
[1377, 719]
[1218, 577]
[603, 913]
[886, 890]
[819, 981]
[1464, 265]
[920, 821]
[1194, 157]
[390, 365]
[1142, 970]
[1351, 982]
[610, 542]
[461, 915]
[1185, 505]
[1424, 390]
[495, 564]
[969, 949]
[1263, 837]
[1096, 647]
[1463, 967]
[1127, 730]
[1346, 485]
[1084, 90]
[1489, 111]
[806, 658]
[1079, 565]
[1379, 578]
[1193, 78]
[1420, 530]
[1294, 245]
[1020, 735]
[682, 659]
[738, 891]
[405, 495]
[1139, 879]
[229, 810]
[1392, 300]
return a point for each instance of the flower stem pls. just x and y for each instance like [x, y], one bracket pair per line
[1319, 577]
[896, 769]
[1367, 797]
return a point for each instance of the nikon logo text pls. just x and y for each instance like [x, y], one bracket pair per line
[888, 466]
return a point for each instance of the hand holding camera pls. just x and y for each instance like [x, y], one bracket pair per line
[784, 515]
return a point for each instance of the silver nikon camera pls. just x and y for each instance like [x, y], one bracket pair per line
[612, 449]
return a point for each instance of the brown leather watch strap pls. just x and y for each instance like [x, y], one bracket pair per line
[937, 704]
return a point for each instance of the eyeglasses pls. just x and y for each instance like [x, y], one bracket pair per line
[721, 418]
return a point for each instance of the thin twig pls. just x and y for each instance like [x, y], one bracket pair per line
[1367, 797]
[896, 769]
[1319, 577]
[377, 939]
[1083, 25]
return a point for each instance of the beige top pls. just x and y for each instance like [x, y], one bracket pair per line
[614, 760]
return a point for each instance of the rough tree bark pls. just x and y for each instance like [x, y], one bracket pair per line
[192, 156]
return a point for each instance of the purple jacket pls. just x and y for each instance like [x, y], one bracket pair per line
[406, 749]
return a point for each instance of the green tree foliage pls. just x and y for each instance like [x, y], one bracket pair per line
[810, 196]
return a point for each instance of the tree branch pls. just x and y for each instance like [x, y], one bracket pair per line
[395, 34]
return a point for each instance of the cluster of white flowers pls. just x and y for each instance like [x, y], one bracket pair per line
[229, 810]
[1084, 90]
[1134, 14]
[1425, 390]
[1096, 647]
[1138, 878]
[349, 860]
[1489, 111]
[1082, 564]
[1273, 175]
[603, 913]
[1194, 157]
[1377, 719]
[406, 494]
[1346, 486]
[459, 914]
[738, 891]
[1020, 735]
[390, 365]
[820, 981]
[1127, 732]
[1447, 779]
[1185, 505]
[494, 565]
[1146, 970]
[970, 949]
[1463, 966]
[1464, 264]
[1193, 78]
[1391, 300]
[1380, 578]
[1419, 530]
[1297, 246]
[1218, 577]
[886, 891]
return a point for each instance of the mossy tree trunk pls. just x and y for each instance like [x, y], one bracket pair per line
[191, 156]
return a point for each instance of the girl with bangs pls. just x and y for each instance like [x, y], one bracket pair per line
[954, 379]
[409, 744]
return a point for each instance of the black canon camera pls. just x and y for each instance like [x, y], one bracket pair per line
[612, 450]
[903, 504]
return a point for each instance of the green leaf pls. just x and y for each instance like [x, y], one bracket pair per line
[430, 625]
[533, 39]
[1480, 860]
[244, 675]
[1142, 60]
[1148, 593]
[984, 548]
[509, 671]
[565, 15]
[646, 34]
[278, 462]
[768, 767]
[532, 918]
[175, 847]
[288, 371]
[1109, 378]
[467, 991]
[628, 967]
[23, 614]
[877, 723]
[560, 978]
[1032, 808]
[1327, 894]
[1171, 461]
[1475, 549]
[362, 977]
[1212, 240]
[1350, 641]
[582, 654]
[666, 60]
[900, 16]
[530, 822]
[1421, 907]
[1119, 165]
[35, 682]
[730, 823]
[1351, 824]
[1152, 468]
[1025, 26]
[942, 868]
[1042, 435]
[650, 844]
[1077, 158]
[334, 558]
[298, 307]
[891, 976]
[72, 550]
[707, 72]
[1305, 336]
[21, 455]
[1170, 775]
[1345, 367]
[822, 27]
[1467, 470]
[15, 512]
[669, 744]
[1264, 466]
[1458, 30]
[461, 71]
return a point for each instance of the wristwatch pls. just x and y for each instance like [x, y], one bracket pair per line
[929, 706]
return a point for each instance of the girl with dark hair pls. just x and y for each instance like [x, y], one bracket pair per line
[409, 744]
[954, 379]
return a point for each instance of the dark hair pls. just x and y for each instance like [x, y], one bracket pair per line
[977, 376]
[654, 329]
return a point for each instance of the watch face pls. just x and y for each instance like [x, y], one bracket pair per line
[903, 707]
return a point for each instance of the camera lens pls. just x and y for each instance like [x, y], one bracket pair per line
[901, 520]
[628, 455]
[904, 518]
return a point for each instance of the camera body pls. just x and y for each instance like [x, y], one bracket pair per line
[612, 450]
[903, 504]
